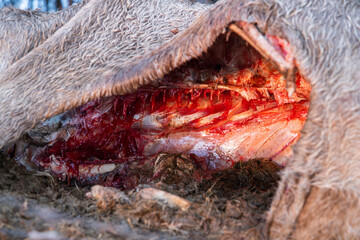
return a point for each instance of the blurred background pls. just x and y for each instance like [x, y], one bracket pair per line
[44, 5]
[53, 5]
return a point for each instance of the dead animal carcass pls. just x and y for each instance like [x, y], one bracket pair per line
[102, 91]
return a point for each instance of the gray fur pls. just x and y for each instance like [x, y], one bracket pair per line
[82, 55]
[21, 31]
[112, 47]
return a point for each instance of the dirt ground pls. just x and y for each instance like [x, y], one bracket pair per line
[231, 205]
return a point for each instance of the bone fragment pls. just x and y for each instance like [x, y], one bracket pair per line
[96, 170]
[162, 197]
[107, 197]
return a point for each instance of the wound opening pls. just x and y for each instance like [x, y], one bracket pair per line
[229, 106]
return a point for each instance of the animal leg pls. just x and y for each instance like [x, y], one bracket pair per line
[301, 209]
[321, 214]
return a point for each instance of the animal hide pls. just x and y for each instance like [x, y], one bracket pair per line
[50, 63]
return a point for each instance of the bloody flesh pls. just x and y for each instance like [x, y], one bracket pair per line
[230, 105]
